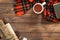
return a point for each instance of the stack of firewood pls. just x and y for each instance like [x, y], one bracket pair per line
[6, 31]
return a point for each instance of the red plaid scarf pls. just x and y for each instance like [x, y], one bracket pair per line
[23, 6]
[49, 13]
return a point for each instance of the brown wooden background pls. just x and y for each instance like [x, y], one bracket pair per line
[29, 25]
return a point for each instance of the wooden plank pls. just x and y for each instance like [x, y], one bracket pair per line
[27, 27]
[25, 18]
[6, 1]
[40, 36]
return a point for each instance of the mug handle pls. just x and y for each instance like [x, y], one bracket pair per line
[43, 3]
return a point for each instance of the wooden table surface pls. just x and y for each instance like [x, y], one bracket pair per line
[32, 26]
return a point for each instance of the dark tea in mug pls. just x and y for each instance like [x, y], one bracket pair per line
[38, 8]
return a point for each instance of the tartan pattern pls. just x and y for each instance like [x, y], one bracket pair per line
[49, 13]
[22, 6]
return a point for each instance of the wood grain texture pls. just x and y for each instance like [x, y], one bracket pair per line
[30, 25]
